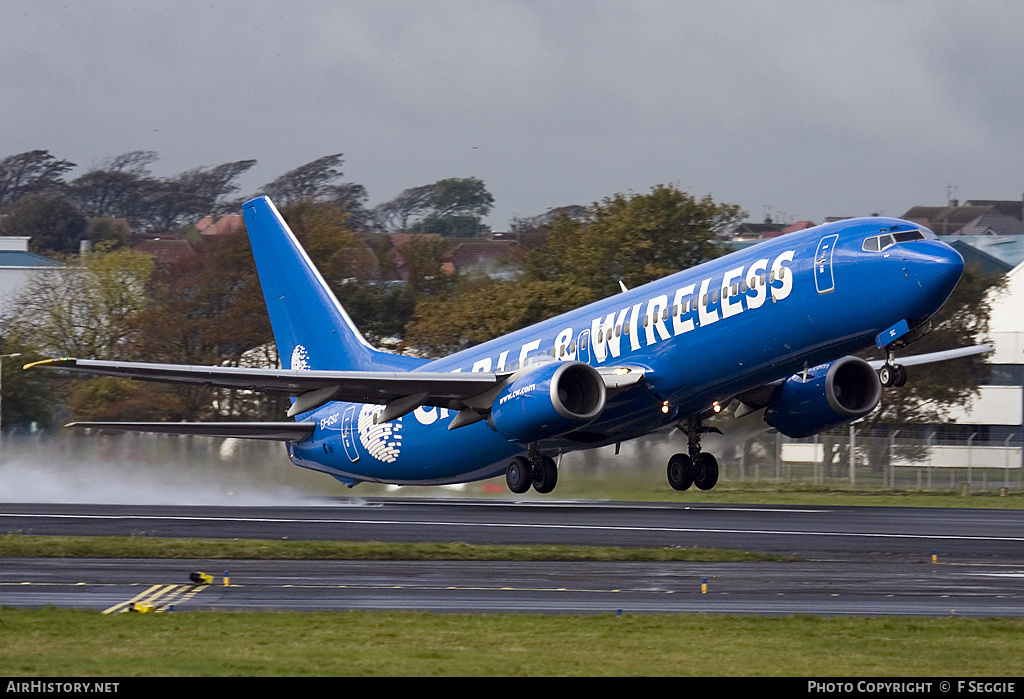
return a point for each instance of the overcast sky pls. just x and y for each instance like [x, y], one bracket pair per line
[811, 109]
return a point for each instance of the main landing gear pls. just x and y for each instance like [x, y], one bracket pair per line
[696, 467]
[534, 469]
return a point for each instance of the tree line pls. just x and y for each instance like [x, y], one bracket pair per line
[208, 308]
[38, 199]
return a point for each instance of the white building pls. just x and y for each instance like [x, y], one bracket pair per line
[1000, 405]
[17, 265]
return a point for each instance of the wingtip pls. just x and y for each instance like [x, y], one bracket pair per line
[49, 362]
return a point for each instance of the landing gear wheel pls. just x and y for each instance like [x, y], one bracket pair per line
[545, 475]
[519, 475]
[887, 375]
[901, 376]
[705, 471]
[892, 375]
[680, 471]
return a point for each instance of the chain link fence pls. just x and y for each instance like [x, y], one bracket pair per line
[891, 459]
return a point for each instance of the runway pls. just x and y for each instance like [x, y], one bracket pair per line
[852, 561]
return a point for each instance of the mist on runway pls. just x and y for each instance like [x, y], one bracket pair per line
[154, 470]
[147, 469]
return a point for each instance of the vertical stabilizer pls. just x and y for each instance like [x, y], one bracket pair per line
[311, 328]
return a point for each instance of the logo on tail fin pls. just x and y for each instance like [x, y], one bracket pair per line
[300, 359]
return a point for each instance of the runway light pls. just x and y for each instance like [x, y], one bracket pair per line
[704, 586]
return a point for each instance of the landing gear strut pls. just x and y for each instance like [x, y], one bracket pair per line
[696, 467]
[535, 469]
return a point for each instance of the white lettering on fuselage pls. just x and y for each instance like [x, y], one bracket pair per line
[740, 289]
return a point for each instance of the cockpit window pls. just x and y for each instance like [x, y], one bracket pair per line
[878, 243]
[904, 236]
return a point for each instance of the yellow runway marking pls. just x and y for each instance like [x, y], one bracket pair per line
[167, 595]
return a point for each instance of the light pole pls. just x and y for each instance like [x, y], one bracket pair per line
[2, 358]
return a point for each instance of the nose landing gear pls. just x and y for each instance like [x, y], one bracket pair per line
[892, 375]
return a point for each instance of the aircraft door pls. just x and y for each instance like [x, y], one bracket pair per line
[823, 278]
[348, 434]
[583, 347]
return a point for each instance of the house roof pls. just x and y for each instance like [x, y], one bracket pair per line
[165, 251]
[20, 258]
[225, 225]
[946, 220]
[1011, 207]
[993, 224]
[479, 252]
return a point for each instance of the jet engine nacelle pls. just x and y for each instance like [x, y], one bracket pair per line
[832, 394]
[548, 401]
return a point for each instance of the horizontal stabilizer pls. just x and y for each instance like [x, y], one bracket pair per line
[277, 431]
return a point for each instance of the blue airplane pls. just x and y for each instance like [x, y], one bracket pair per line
[771, 328]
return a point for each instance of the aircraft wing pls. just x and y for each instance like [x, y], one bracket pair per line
[311, 388]
[936, 356]
[402, 392]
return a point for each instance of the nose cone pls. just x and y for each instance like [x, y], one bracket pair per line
[943, 265]
[936, 268]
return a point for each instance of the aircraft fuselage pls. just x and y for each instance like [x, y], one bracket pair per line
[699, 336]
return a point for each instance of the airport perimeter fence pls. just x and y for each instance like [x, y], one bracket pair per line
[157, 464]
[850, 458]
[844, 458]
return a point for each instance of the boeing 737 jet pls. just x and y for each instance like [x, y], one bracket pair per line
[772, 328]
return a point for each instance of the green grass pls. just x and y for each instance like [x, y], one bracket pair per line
[58, 643]
[24, 546]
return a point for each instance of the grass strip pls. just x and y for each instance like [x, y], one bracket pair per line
[29, 546]
[64, 643]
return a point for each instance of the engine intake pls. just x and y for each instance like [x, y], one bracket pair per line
[548, 401]
[833, 394]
